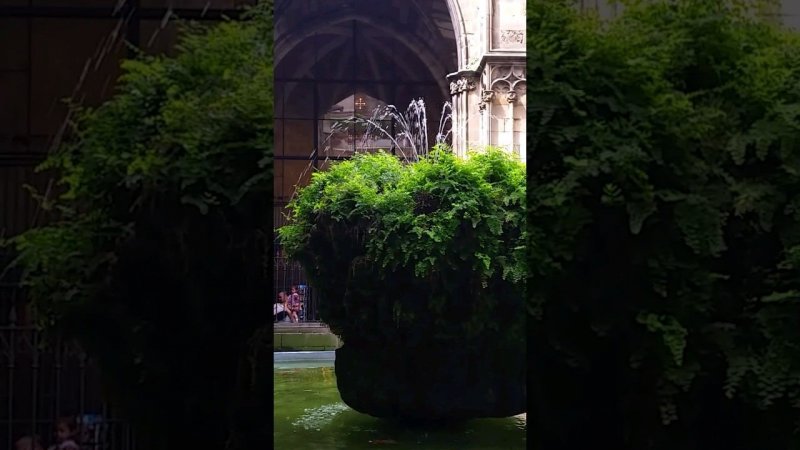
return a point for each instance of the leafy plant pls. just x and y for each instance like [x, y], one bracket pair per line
[664, 229]
[155, 262]
[433, 249]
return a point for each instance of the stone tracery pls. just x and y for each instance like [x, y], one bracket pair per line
[507, 79]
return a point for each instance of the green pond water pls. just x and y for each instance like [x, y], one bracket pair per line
[309, 414]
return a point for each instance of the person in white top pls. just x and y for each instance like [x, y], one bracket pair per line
[280, 310]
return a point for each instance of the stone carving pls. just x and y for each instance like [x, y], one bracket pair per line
[507, 79]
[511, 97]
[486, 98]
[461, 85]
[512, 36]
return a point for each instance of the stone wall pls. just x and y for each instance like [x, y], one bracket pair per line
[304, 337]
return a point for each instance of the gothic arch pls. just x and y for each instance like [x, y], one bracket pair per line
[459, 28]
[286, 43]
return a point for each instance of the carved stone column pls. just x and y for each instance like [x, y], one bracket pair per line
[462, 87]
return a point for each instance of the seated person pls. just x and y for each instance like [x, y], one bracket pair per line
[279, 309]
[295, 305]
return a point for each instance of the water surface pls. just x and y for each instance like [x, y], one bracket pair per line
[309, 414]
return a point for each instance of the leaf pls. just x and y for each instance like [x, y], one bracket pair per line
[701, 224]
[612, 194]
[638, 213]
[780, 297]
[672, 332]
[737, 147]
[485, 260]
[199, 203]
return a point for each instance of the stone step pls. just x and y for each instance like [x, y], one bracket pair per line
[304, 336]
[305, 341]
[307, 327]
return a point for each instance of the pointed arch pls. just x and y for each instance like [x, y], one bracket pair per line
[459, 28]
[287, 42]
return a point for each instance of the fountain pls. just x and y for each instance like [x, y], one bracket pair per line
[386, 389]
[410, 130]
[413, 123]
[409, 140]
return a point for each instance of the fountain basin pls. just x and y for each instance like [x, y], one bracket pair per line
[309, 413]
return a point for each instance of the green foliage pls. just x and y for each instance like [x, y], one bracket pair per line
[433, 249]
[664, 223]
[155, 261]
[195, 123]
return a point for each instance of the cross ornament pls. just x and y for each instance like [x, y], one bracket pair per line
[360, 103]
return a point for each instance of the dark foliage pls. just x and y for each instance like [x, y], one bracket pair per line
[663, 208]
[157, 261]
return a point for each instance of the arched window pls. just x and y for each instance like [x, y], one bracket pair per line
[360, 123]
[331, 56]
[344, 128]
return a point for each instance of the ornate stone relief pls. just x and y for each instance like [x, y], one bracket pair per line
[486, 98]
[508, 80]
[512, 36]
[461, 85]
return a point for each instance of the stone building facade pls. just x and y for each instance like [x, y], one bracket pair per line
[342, 58]
[488, 89]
